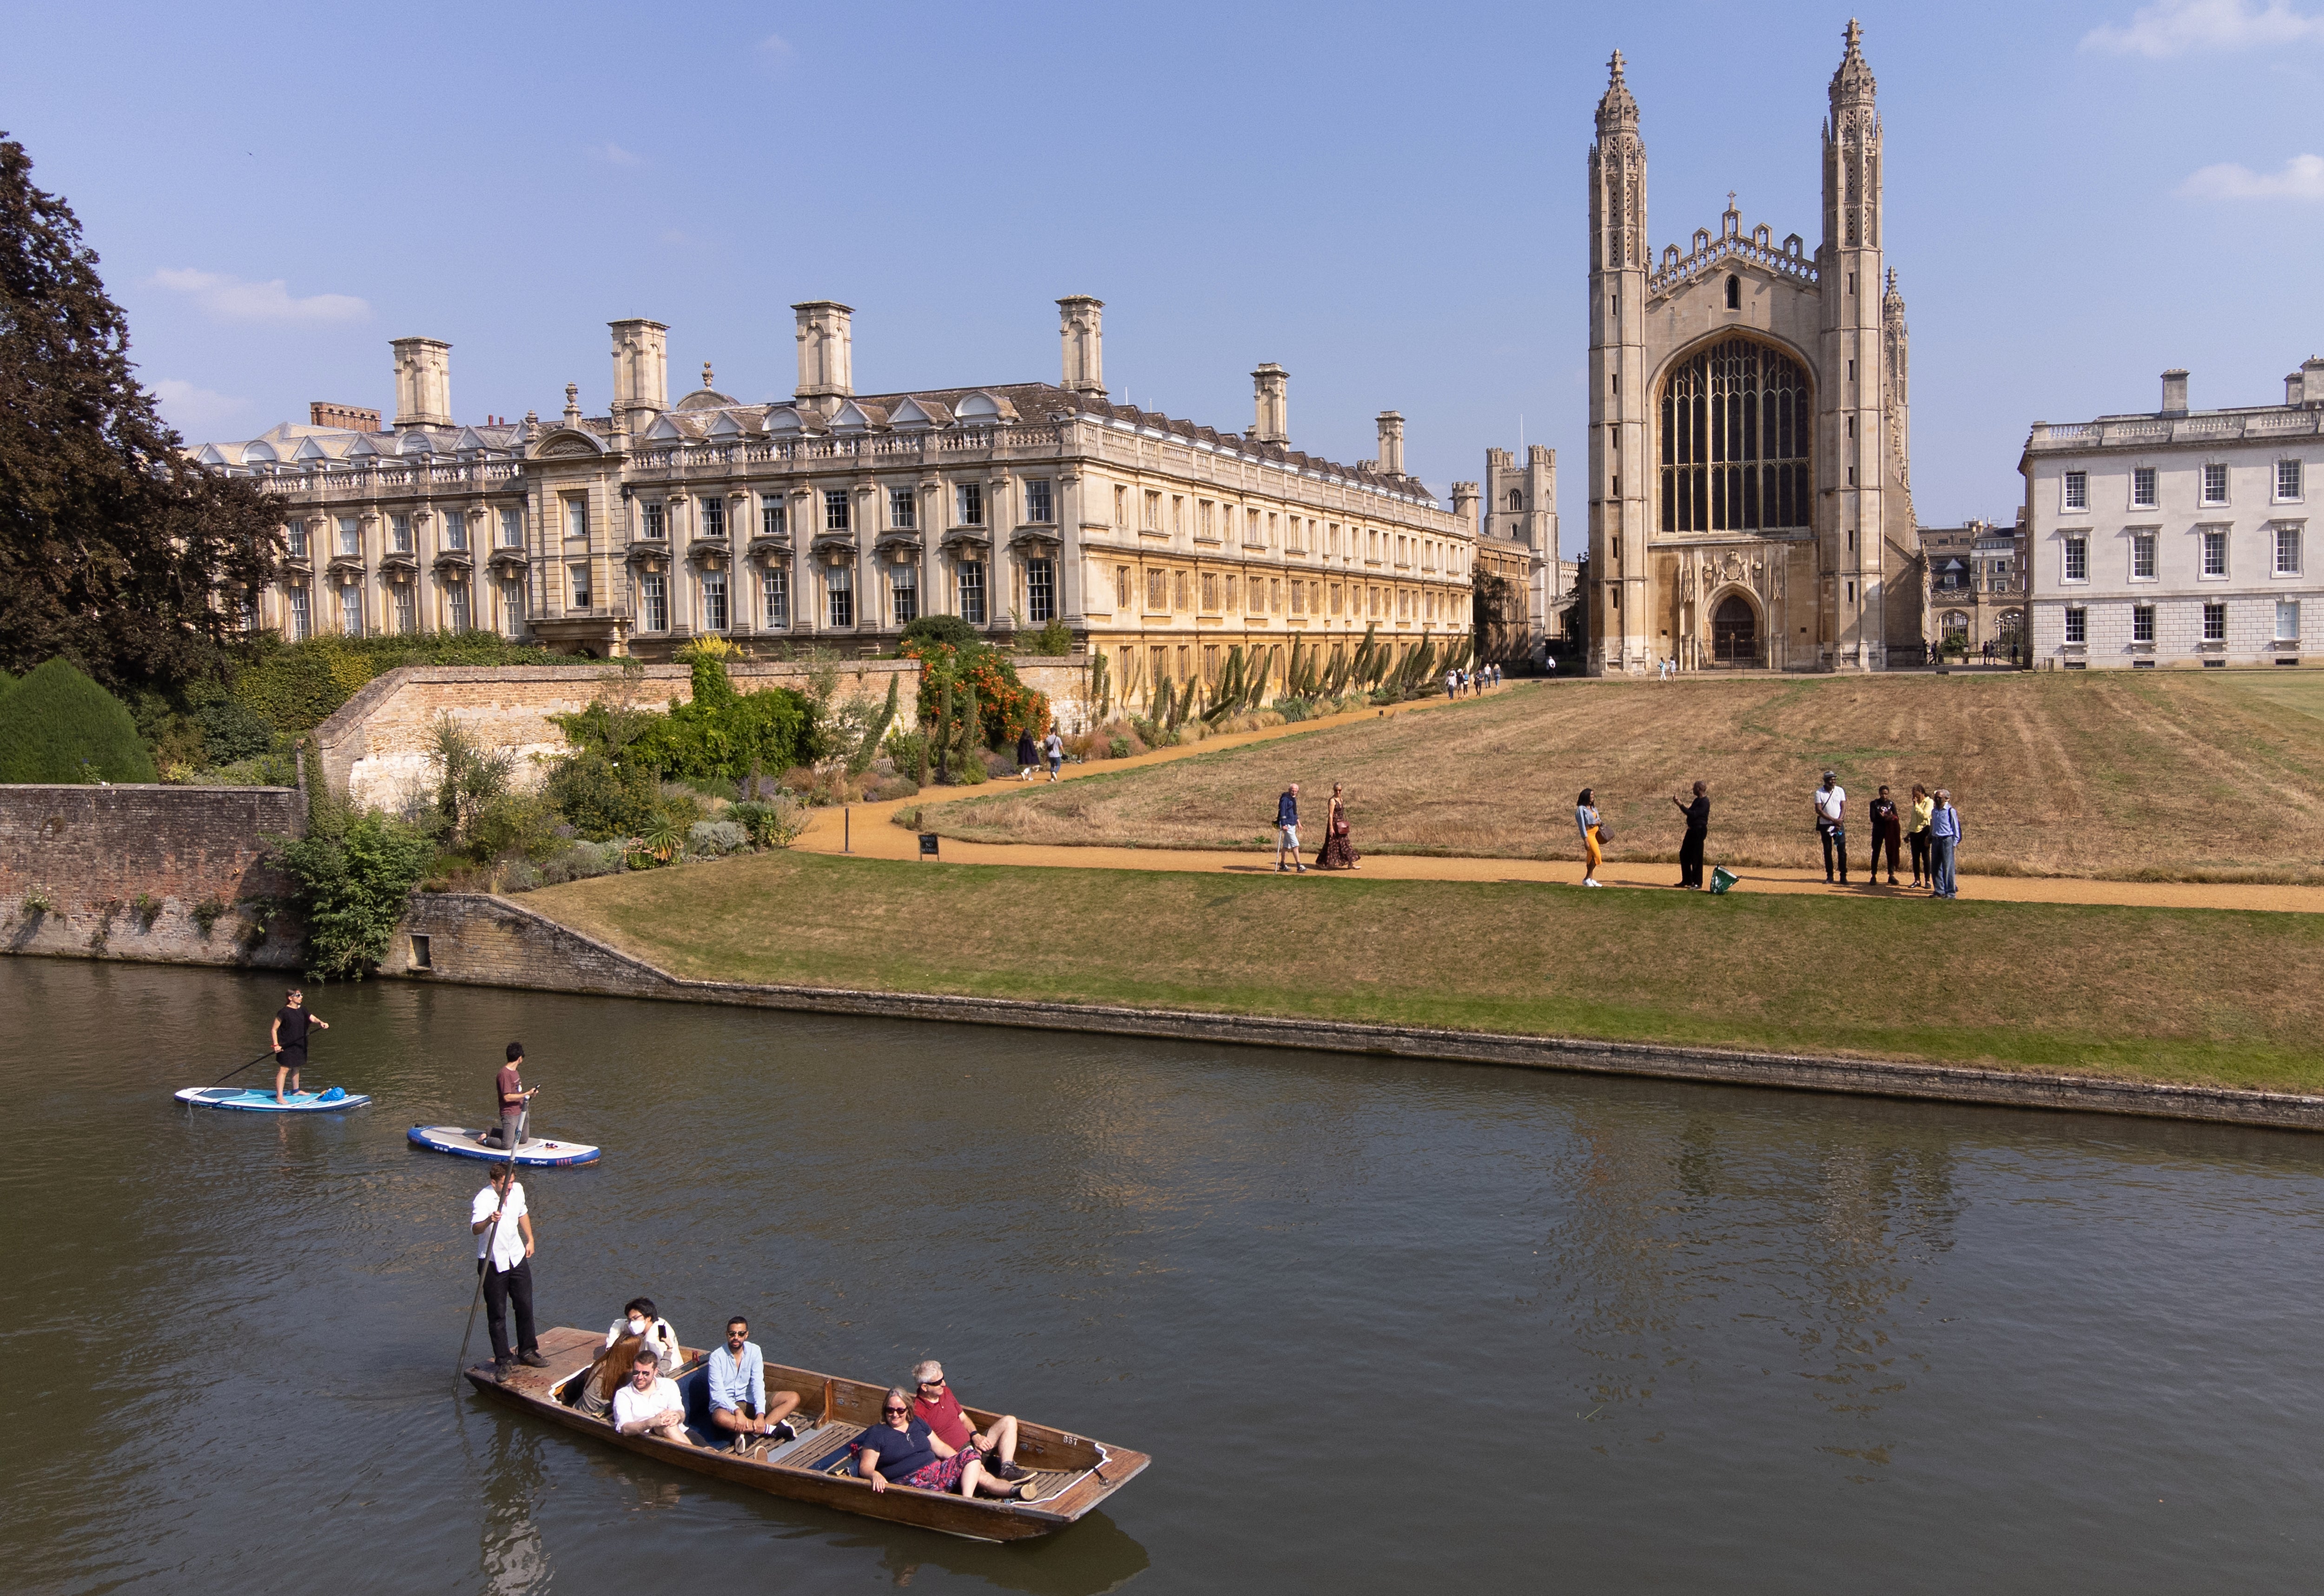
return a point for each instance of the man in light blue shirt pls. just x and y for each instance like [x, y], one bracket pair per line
[738, 1391]
[1944, 840]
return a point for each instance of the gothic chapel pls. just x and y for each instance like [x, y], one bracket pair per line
[1749, 497]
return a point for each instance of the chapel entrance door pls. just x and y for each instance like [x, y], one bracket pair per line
[1735, 633]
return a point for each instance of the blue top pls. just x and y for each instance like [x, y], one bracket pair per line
[735, 1379]
[1286, 810]
[1584, 817]
[902, 1452]
[1945, 822]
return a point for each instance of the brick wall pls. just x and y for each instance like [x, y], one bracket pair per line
[376, 747]
[94, 852]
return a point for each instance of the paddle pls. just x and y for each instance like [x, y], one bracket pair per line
[230, 1075]
[491, 1233]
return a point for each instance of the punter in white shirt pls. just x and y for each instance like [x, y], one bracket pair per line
[650, 1404]
[1830, 808]
[503, 1226]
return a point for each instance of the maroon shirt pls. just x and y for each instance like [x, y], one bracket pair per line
[944, 1418]
[506, 1085]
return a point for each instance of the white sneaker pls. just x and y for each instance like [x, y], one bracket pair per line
[1593, 883]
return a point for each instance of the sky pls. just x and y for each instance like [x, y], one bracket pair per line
[1387, 200]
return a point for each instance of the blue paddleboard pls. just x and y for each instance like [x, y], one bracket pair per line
[534, 1152]
[259, 1102]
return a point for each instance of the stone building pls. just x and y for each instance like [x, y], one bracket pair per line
[835, 518]
[1514, 513]
[2177, 536]
[1974, 587]
[1749, 498]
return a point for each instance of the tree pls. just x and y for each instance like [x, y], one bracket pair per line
[58, 726]
[115, 550]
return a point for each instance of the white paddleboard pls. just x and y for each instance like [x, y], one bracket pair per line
[535, 1152]
[328, 1101]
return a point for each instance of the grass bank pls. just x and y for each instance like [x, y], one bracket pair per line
[2160, 776]
[2189, 996]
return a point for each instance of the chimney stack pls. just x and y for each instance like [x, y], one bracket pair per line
[1081, 328]
[827, 353]
[1271, 405]
[350, 418]
[641, 372]
[423, 382]
[1391, 443]
[2312, 382]
[2174, 392]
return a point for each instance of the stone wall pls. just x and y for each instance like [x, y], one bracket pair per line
[375, 747]
[1065, 681]
[132, 872]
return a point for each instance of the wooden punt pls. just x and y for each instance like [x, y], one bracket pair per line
[1071, 1475]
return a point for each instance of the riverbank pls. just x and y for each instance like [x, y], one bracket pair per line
[2100, 993]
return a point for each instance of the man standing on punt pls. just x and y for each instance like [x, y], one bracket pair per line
[503, 1231]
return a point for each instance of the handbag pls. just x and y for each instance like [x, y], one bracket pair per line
[1605, 834]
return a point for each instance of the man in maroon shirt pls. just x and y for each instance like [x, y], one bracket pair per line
[939, 1409]
[509, 1092]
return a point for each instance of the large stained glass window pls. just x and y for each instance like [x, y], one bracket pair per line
[1735, 423]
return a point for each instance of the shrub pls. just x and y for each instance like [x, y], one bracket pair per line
[981, 679]
[868, 748]
[232, 731]
[579, 862]
[1054, 640]
[712, 838]
[599, 797]
[298, 686]
[355, 878]
[522, 823]
[970, 772]
[950, 631]
[889, 787]
[1117, 747]
[207, 913]
[38, 901]
[58, 726]
[147, 908]
[723, 733]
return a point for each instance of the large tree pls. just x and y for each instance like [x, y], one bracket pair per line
[115, 550]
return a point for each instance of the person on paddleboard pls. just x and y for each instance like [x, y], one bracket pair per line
[287, 1039]
[510, 1095]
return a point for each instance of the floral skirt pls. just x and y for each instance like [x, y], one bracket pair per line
[944, 1475]
[1337, 852]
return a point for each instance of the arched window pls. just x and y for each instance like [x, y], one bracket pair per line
[1733, 292]
[1735, 422]
[1516, 499]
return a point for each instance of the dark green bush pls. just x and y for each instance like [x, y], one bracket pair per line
[355, 876]
[232, 731]
[727, 733]
[298, 687]
[949, 630]
[1054, 640]
[599, 798]
[58, 726]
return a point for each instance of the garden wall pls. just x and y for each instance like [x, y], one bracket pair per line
[376, 747]
[1064, 680]
[132, 872]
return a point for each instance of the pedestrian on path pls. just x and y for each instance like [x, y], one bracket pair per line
[1054, 747]
[1831, 823]
[1028, 756]
[1944, 838]
[1339, 850]
[1885, 833]
[503, 1226]
[1916, 834]
[1287, 830]
[1698, 831]
[1593, 849]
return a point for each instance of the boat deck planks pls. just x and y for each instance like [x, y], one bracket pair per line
[1069, 1479]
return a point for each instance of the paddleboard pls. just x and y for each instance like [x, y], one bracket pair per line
[261, 1101]
[534, 1152]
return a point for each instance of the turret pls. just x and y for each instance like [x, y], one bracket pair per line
[1619, 399]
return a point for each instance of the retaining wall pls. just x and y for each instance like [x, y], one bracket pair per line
[490, 941]
[133, 872]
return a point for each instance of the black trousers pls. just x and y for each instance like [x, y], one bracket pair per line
[1919, 843]
[1690, 859]
[502, 1288]
[1835, 848]
[1883, 839]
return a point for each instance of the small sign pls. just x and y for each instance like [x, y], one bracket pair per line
[928, 845]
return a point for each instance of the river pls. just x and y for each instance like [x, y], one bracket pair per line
[1379, 1324]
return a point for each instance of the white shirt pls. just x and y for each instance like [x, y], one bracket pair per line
[1829, 800]
[660, 1336]
[506, 1239]
[630, 1404]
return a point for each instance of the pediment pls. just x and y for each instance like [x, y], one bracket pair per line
[852, 417]
[785, 421]
[566, 442]
[415, 442]
[705, 399]
[258, 452]
[309, 449]
[978, 409]
[363, 448]
[209, 455]
[726, 425]
[468, 442]
[665, 430]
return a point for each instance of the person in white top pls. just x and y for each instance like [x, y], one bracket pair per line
[1053, 749]
[650, 1404]
[503, 1226]
[638, 1319]
[1830, 810]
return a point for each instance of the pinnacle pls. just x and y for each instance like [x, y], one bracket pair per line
[1616, 109]
[1853, 80]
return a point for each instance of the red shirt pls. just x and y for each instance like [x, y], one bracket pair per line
[506, 1085]
[944, 1418]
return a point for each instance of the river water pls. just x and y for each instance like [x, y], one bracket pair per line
[1379, 1324]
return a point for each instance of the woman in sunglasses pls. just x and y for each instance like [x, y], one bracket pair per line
[902, 1450]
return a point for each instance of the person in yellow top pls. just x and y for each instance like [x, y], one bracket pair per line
[1916, 833]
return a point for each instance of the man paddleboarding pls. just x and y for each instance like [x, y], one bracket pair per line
[287, 1039]
[510, 1095]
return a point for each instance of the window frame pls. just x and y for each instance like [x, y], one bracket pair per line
[2206, 538]
[2078, 625]
[2299, 481]
[970, 583]
[1040, 502]
[2281, 636]
[2074, 491]
[774, 516]
[2145, 488]
[968, 503]
[1040, 590]
[2215, 620]
[2142, 623]
[2074, 559]
[717, 602]
[653, 602]
[775, 597]
[2287, 534]
[902, 580]
[839, 598]
[903, 510]
[837, 515]
[2146, 540]
[2204, 477]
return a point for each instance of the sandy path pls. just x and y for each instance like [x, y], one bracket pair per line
[868, 832]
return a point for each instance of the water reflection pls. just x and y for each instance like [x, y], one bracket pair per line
[514, 1560]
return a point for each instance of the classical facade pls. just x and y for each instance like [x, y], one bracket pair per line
[2177, 536]
[1974, 588]
[835, 518]
[1749, 498]
[1514, 513]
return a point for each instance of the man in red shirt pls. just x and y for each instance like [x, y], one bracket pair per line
[509, 1092]
[939, 1409]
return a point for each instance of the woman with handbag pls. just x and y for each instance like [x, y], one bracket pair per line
[1593, 836]
[1337, 852]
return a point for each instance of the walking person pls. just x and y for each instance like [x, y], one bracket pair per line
[511, 1094]
[1831, 823]
[1338, 852]
[1885, 833]
[1916, 835]
[1945, 845]
[503, 1226]
[1054, 746]
[287, 1037]
[1028, 756]
[1593, 848]
[1698, 831]
[1287, 830]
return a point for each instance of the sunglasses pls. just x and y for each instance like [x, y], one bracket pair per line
[938, 1382]
[895, 1410]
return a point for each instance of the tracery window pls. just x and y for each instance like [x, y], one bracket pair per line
[1735, 422]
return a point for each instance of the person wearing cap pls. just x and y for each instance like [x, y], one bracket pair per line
[1830, 811]
[287, 1038]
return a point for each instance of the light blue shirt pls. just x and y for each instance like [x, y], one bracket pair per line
[731, 1380]
[1945, 822]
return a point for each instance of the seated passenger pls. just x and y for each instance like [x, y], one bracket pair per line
[608, 1375]
[650, 1404]
[940, 1408]
[638, 1319]
[738, 1389]
[903, 1449]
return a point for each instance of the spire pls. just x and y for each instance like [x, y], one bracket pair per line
[1852, 84]
[1616, 109]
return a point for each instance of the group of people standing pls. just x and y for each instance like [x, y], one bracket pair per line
[1931, 830]
[1471, 679]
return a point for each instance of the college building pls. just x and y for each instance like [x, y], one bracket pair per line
[833, 519]
[2177, 536]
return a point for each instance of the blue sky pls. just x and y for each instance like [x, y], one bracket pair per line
[1387, 200]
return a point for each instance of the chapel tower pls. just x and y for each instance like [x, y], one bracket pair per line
[1618, 384]
[1852, 420]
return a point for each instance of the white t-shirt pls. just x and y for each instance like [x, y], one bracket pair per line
[506, 1238]
[1829, 800]
[630, 1404]
[660, 1336]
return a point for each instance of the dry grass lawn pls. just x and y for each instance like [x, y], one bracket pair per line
[2190, 995]
[2160, 776]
